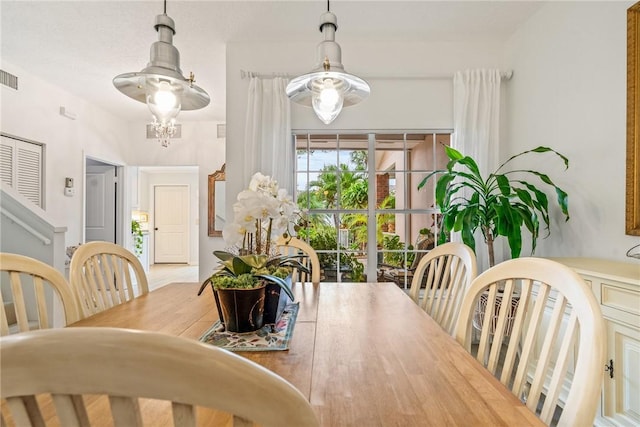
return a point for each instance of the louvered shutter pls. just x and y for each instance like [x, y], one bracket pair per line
[21, 164]
[6, 162]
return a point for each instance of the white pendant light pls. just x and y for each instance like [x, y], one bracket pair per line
[161, 84]
[328, 87]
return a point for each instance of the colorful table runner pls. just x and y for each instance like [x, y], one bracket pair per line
[271, 337]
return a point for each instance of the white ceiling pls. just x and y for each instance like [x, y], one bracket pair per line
[81, 45]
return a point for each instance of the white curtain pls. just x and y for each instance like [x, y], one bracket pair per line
[267, 146]
[476, 115]
[476, 125]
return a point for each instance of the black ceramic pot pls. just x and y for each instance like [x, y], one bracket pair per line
[275, 300]
[242, 309]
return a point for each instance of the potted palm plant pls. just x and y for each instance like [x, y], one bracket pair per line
[247, 286]
[502, 203]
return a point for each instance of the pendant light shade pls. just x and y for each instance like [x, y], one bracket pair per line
[161, 84]
[328, 87]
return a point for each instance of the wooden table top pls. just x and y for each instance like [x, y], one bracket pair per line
[364, 354]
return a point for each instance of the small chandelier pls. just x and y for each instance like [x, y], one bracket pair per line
[161, 84]
[164, 131]
[328, 87]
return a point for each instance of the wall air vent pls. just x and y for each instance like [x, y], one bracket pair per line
[222, 130]
[151, 134]
[9, 80]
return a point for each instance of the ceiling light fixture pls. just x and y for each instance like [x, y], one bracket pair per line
[328, 87]
[161, 84]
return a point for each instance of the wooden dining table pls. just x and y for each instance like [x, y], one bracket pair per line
[364, 354]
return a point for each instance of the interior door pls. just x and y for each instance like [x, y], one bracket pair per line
[171, 224]
[101, 196]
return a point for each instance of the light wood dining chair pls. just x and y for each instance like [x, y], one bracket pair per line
[556, 324]
[440, 280]
[295, 246]
[23, 299]
[126, 365]
[104, 275]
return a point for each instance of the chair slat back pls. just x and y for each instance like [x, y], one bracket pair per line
[28, 276]
[295, 246]
[149, 365]
[440, 280]
[537, 318]
[104, 275]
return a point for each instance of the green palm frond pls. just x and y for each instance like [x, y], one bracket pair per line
[497, 205]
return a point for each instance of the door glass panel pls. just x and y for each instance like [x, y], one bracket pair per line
[340, 175]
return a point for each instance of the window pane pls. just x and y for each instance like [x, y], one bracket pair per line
[354, 190]
[333, 182]
[386, 190]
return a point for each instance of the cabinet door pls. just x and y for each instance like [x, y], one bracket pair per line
[21, 167]
[621, 399]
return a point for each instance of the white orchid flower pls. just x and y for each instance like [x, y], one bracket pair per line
[261, 205]
[233, 233]
[279, 225]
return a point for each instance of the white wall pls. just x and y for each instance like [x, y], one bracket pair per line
[32, 112]
[569, 93]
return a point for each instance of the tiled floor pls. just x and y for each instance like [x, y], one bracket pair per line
[162, 274]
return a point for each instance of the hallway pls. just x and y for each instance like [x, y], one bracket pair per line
[163, 274]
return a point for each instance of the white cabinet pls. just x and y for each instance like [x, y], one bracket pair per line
[616, 286]
[621, 396]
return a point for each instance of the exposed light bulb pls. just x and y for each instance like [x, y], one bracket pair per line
[163, 102]
[329, 95]
[327, 103]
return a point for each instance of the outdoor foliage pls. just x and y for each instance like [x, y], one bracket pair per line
[396, 259]
[323, 237]
[337, 187]
[136, 231]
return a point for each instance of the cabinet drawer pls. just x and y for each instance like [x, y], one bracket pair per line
[620, 297]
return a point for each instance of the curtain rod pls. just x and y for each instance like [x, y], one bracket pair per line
[504, 75]
[249, 74]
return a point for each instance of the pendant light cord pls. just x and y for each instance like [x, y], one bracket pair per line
[165, 6]
[328, 9]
